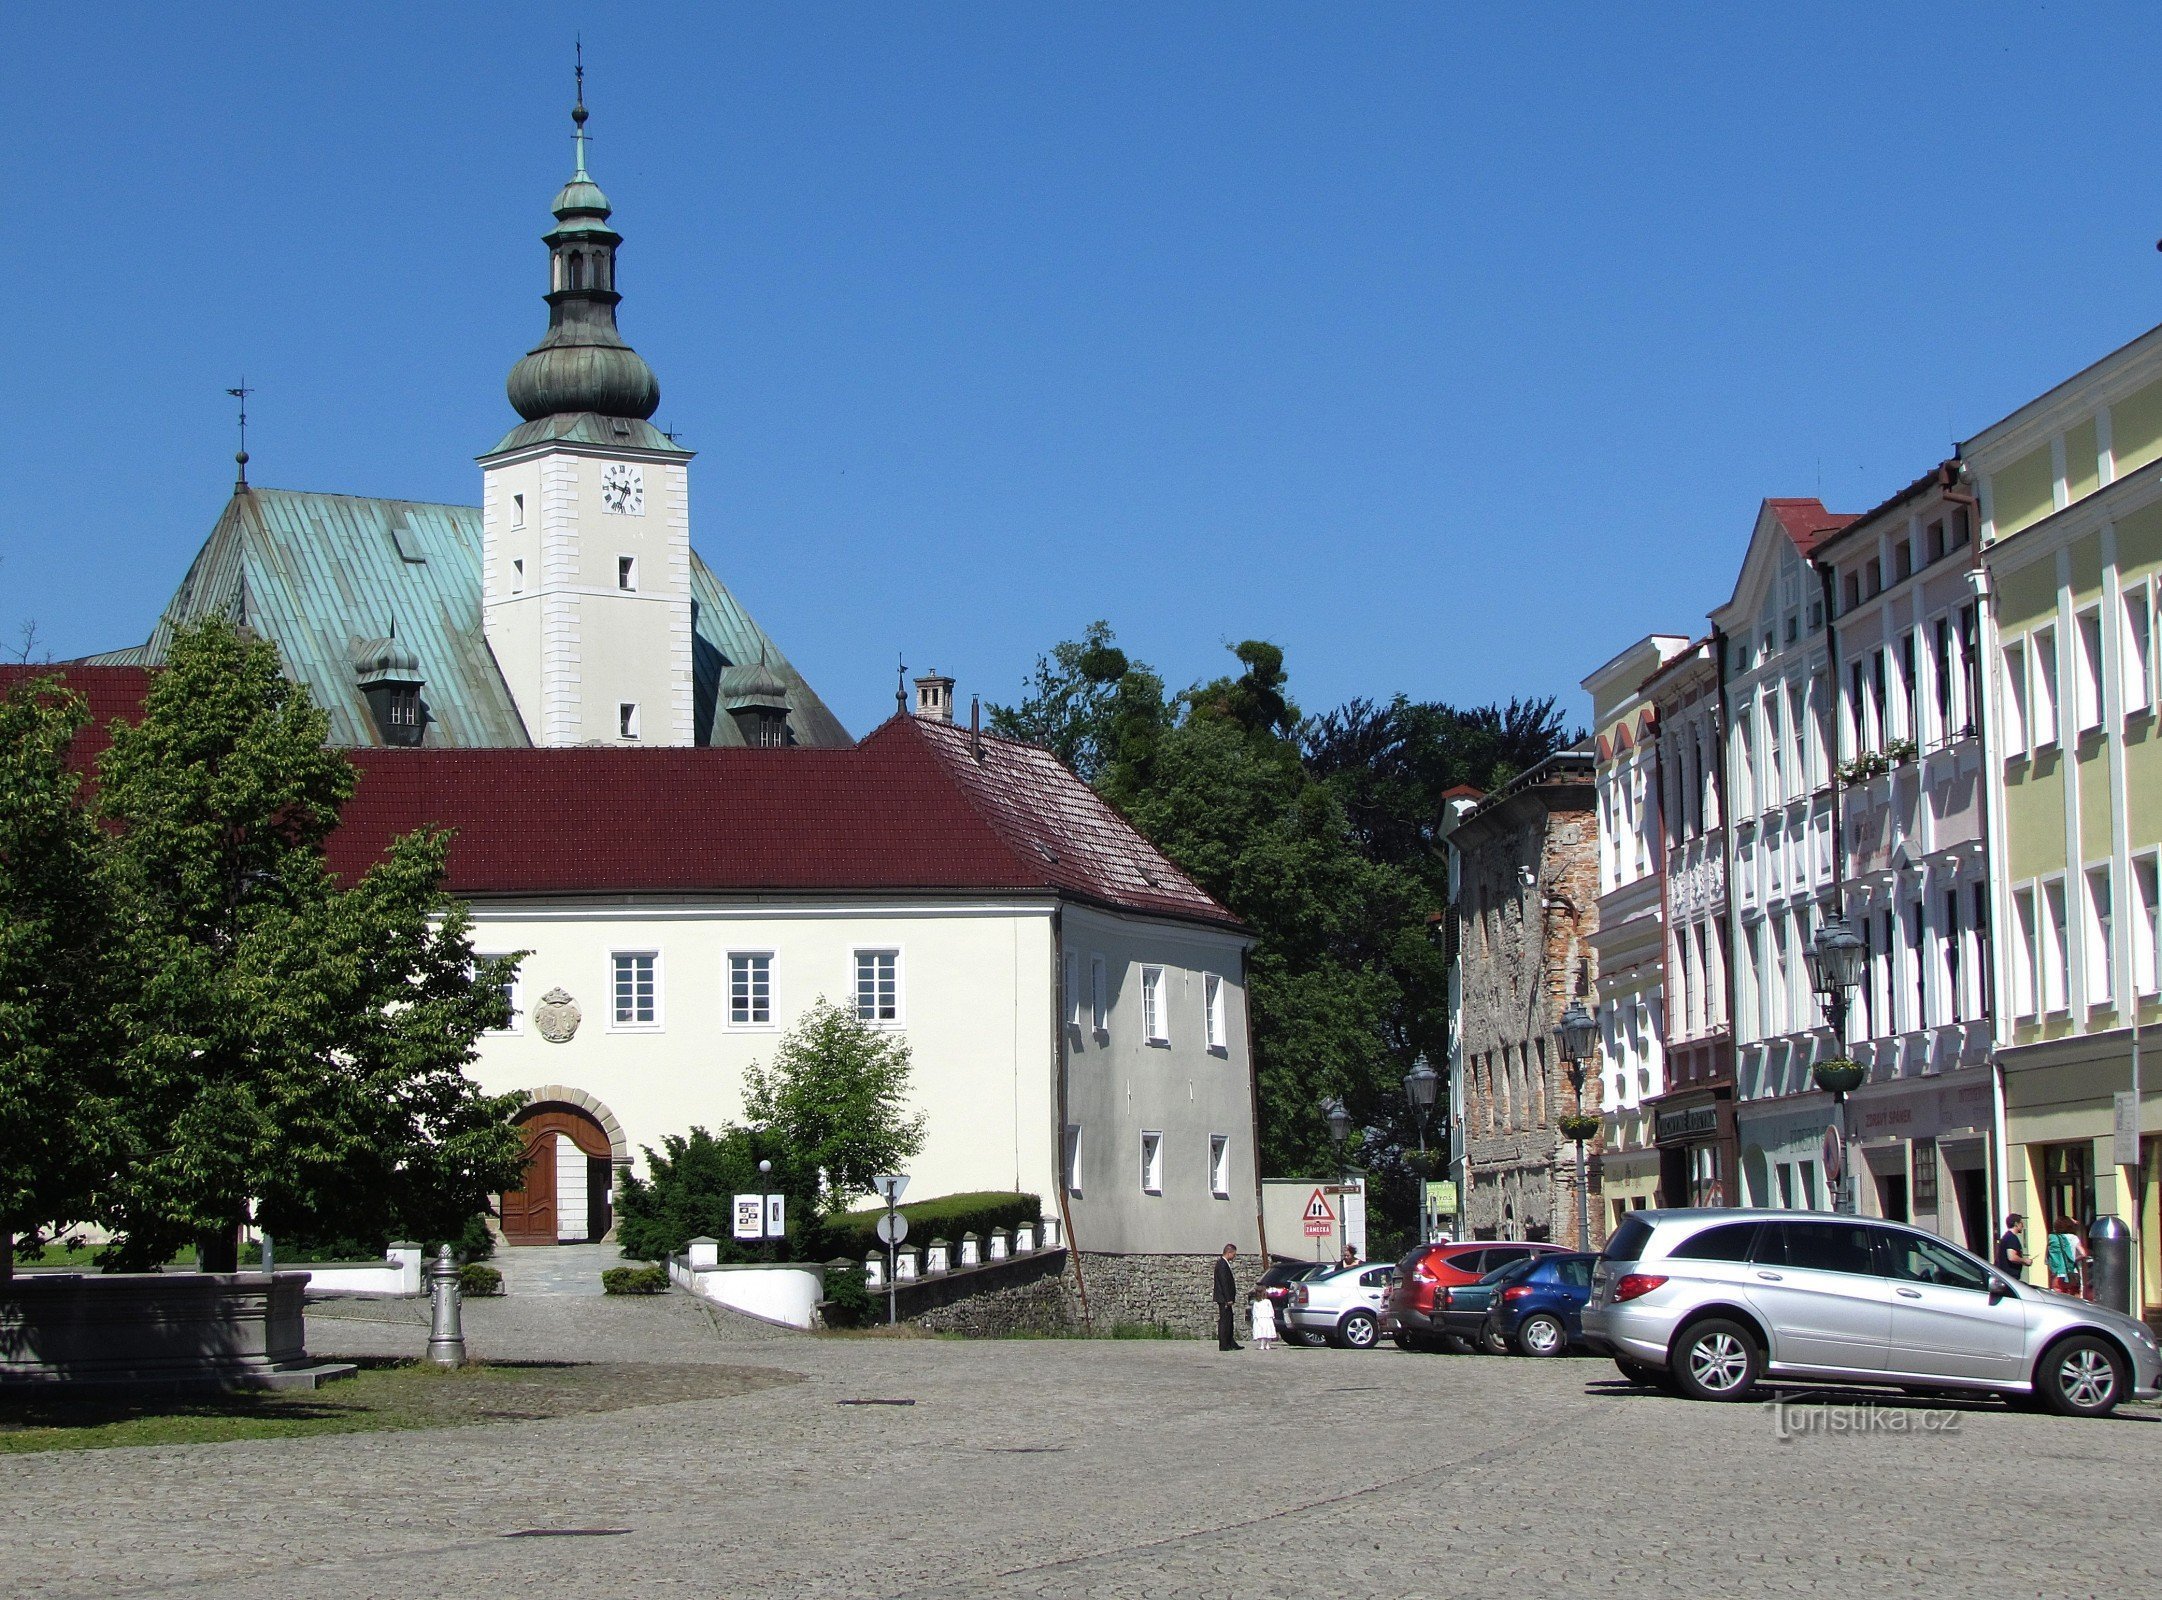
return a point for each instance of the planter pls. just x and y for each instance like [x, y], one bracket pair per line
[1840, 1076]
[159, 1330]
[1579, 1126]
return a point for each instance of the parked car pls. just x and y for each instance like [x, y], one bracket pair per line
[1276, 1284]
[1539, 1311]
[1712, 1301]
[1342, 1304]
[1430, 1268]
[1462, 1310]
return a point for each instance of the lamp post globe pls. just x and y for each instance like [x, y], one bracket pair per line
[1835, 966]
[1577, 1034]
[1421, 1084]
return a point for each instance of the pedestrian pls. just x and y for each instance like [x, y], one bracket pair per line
[1351, 1256]
[2012, 1250]
[2066, 1257]
[1227, 1296]
[1264, 1321]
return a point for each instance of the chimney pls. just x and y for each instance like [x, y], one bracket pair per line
[934, 697]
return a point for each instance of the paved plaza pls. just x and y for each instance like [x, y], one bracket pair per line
[1103, 1468]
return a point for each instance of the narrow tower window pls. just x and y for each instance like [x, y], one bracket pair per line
[627, 573]
[627, 719]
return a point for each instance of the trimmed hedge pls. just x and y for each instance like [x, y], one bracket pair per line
[635, 1280]
[855, 1233]
[848, 1296]
[481, 1281]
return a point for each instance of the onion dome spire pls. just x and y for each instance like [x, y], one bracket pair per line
[582, 364]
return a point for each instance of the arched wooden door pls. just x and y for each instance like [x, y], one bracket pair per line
[569, 1179]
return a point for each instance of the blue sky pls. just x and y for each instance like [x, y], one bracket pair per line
[1450, 348]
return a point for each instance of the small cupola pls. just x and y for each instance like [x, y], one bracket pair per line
[934, 697]
[756, 701]
[390, 680]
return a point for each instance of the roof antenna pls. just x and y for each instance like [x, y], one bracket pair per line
[240, 456]
[975, 725]
[900, 686]
[578, 111]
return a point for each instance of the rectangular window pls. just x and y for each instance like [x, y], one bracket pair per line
[637, 988]
[627, 573]
[1917, 938]
[1070, 981]
[1212, 1012]
[2147, 931]
[627, 720]
[2056, 948]
[2088, 667]
[1949, 938]
[2026, 955]
[1099, 995]
[2100, 934]
[1155, 1015]
[750, 988]
[1073, 1158]
[1152, 1163]
[878, 985]
[517, 575]
[509, 986]
[1910, 689]
[2138, 674]
[1961, 527]
[1933, 545]
[1220, 1166]
[517, 511]
[1941, 665]
[2042, 686]
[1902, 561]
[2015, 699]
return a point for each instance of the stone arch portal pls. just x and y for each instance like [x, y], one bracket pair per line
[573, 1147]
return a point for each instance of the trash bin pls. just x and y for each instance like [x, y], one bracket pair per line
[2109, 1241]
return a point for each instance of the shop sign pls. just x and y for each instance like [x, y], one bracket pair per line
[1689, 1122]
[2125, 1129]
[1925, 1174]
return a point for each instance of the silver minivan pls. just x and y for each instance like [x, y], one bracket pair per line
[1712, 1300]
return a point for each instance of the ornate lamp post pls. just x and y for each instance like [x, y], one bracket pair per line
[1578, 1037]
[1835, 965]
[1421, 1084]
[1339, 1131]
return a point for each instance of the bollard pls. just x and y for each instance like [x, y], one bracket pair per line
[446, 1331]
[2109, 1241]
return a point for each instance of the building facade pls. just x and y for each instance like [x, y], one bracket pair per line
[1524, 861]
[2070, 492]
[1913, 862]
[1629, 940]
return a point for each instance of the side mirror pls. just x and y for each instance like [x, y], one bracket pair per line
[2000, 1290]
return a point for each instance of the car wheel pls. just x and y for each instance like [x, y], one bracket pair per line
[1641, 1373]
[1541, 1334]
[1456, 1344]
[2082, 1376]
[1358, 1331]
[1715, 1360]
[1297, 1335]
[1492, 1341]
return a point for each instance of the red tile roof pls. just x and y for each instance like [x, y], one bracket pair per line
[110, 692]
[1807, 523]
[910, 809]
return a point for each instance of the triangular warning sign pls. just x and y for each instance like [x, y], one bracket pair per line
[1317, 1209]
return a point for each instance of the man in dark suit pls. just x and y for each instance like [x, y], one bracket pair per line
[1227, 1296]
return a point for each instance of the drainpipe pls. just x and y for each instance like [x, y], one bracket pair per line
[1986, 642]
[1059, 1177]
[1839, 820]
[1949, 475]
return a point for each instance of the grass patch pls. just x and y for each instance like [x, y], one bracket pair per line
[383, 1395]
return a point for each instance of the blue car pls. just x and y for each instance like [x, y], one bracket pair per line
[1536, 1313]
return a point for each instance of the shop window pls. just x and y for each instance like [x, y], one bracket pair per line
[2067, 1184]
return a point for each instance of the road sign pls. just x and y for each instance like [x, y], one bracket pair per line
[750, 1216]
[1833, 1152]
[892, 1228]
[890, 1186]
[2124, 1133]
[1320, 1220]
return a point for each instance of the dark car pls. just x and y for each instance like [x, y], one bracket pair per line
[1276, 1285]
[1538, 1311]
[1464, 1310]
[1427, 1270]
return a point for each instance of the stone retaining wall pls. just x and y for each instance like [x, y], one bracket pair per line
[1037, 1294]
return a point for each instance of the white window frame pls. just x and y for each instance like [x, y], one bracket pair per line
[517, 511]
[728, 998]
[515, 989]
[1212, 1013]
[2136, 649]
[1072, 1155]
[1220, 1165]
[1099, 996]
[2026, 952]
[2016, 710]
[2147, 926]
[2098, 909]
[2042, 685]
[855, 985]
[2088, 671]
[626, 574]
[1152, 1161]
[616, 1021]
[517, 575]
[1070, 977]
[627, 719]
[2055, 902]
[1156, 1006]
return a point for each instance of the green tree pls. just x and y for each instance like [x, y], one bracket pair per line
[690, 1189]
[837, 1092]
[57, 1102]
[294, 1050]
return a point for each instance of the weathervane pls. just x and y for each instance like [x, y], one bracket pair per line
[241, 455]
[900, 685]
[578, 111]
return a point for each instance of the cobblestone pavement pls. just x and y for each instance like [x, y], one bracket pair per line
[1066, 1468]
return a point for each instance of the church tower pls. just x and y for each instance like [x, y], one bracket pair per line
[586, 586]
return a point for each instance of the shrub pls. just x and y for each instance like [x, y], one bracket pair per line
[854, 1234]
[635, 1280]
[848, 1297]
[692, 1190]
[475, 1279]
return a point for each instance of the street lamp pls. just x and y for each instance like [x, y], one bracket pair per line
[1835, 965]
[1421, 1084]
[1339, 1118]
[1578, 1036]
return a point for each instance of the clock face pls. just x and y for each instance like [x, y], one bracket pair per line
[623, 489]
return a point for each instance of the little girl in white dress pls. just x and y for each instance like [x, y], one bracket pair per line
[1264, 1332]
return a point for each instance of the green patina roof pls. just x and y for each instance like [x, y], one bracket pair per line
[324, 576]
